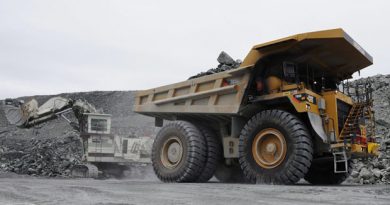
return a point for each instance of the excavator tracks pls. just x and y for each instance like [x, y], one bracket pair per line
[85, 171]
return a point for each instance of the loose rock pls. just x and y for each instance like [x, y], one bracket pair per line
[225, 63]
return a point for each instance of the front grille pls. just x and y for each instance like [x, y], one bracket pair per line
[342, 113]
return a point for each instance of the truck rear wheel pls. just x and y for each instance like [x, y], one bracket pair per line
[275, 148]
[214, 152]
[179, 152]
[321, 172]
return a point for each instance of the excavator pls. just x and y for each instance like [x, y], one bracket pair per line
[104, 154]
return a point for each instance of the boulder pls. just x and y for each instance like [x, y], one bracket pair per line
[365, 174]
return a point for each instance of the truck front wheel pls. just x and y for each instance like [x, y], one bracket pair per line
[179, 152]
[275, 148]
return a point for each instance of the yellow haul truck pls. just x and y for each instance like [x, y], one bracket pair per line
[280, 117]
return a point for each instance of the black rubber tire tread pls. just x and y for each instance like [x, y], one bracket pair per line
[322, 173]
[299, 148]
[194, 153]
[214, 153]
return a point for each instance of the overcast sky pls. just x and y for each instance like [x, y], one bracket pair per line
[49, 47]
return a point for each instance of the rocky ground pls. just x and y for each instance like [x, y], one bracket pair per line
[42, 157]
[51, 149]
[31, 191]
[377, 171]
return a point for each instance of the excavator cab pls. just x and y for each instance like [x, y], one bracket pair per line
[95, 132]
[94, 123]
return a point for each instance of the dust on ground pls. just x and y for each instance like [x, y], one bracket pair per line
[88, 191]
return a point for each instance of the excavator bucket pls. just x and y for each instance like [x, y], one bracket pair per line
[19, 114]
[52, 105]
[14, 115]
[29, 113]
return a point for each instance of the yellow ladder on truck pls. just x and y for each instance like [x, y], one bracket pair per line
[347, 137]
[351, 125]
[340, 160]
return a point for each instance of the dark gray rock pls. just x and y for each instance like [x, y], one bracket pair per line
[224, 58]
[225, 63]
[365, 173]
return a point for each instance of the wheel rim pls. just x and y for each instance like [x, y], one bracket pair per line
[269, 148]
[172, 152]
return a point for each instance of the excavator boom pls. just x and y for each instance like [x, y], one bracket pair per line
[30, 114]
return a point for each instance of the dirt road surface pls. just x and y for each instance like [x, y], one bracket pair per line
[28, 191]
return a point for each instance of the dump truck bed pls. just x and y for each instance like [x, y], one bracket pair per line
[332, 51]
[220, 93]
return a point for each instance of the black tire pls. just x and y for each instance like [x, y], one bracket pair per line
[298, 146]
[321, 172]
[214, 153]
[229, 174]
[192, 159]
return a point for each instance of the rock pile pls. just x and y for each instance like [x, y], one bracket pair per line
[373, 171]
[42, 157]
[377, 170]
[225, 63]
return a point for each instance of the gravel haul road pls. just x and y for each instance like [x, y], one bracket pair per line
[87, 191]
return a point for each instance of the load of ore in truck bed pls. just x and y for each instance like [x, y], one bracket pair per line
[225, 63]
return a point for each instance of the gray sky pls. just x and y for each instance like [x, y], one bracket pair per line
[48, 47]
